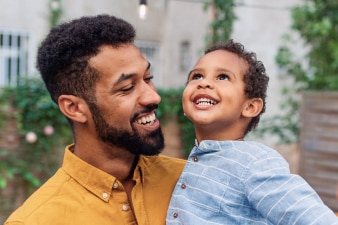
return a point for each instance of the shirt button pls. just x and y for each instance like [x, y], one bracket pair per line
[104, 195]
[183, 186]
[125, 207]
[195, 159]
[115, 185]
[175, 215]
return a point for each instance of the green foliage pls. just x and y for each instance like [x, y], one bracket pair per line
[317, 24]
[34, 110]
[33, 162]
[223, 19]
[170, 108]
[55, 12]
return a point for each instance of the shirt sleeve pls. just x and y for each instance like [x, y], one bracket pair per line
[282, 197]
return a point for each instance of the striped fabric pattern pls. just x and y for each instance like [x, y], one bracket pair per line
[243, 182]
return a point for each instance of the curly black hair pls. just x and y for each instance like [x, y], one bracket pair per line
[63, 56]
[255, 78]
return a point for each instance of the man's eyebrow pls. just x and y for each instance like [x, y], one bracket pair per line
[124, 76]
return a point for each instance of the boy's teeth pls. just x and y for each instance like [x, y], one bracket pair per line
[205, 101]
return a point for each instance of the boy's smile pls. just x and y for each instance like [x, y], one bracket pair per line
[204, 101]
[214, 98]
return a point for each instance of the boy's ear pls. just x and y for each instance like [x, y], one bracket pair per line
[253, 108]
[73, 107]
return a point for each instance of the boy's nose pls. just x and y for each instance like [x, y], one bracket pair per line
[205, 83]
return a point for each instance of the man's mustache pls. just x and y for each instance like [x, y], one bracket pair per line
[147, 109]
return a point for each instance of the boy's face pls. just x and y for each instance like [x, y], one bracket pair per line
[214, 97]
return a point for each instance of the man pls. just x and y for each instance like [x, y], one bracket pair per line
[112, 174]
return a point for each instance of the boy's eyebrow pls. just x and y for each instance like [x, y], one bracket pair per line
[148, 67]
[193, 70]
[217, 69]
[227, 71]
[124, 76]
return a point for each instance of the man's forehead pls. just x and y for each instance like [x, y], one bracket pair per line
[119, 63]
[120, 56]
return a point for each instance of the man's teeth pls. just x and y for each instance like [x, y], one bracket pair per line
[147, 119]
[205, 101]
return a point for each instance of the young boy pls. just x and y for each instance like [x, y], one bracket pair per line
[228, 180]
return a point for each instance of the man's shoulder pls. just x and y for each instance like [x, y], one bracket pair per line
[162, 164]
[35, 206]
[165, 160]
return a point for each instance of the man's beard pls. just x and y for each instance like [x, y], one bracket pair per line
[150, 144]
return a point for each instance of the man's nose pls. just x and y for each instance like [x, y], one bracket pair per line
[150, 96]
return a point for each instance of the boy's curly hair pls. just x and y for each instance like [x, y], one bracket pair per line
[63, 56]
[255, 78]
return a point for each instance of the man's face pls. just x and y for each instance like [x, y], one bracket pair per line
[126, 100]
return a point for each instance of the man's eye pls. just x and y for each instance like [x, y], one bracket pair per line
[128, 88]
[223, 77]
[196, 77]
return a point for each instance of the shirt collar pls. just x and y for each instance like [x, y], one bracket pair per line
[93, 179]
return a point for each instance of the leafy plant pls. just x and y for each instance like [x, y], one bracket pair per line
[55, 12]
[223, 19]
[170, 108]
[317, 24]
[33, 160]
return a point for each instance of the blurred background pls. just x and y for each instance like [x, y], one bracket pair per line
[295, 39]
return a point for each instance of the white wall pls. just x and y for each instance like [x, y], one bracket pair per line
[260, 25]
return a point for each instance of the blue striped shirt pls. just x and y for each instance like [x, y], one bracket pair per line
[239, 182]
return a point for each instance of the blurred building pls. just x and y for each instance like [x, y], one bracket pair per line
[171, 35]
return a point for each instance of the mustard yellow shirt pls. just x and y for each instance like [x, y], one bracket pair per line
[80, 194]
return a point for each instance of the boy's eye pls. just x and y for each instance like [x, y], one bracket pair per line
[196, 77]
[148, 79]
[223, 77]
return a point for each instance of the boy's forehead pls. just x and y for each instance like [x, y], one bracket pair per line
[222, 58]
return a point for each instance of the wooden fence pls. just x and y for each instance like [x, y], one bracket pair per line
[319, 144]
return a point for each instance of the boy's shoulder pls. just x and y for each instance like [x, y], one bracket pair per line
[256, 149]
[251, 147]
[244, 151]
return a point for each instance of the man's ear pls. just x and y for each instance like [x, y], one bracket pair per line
[73, 108]
[253, 107]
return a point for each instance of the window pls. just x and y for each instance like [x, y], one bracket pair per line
[185, 57]
[15, 47]
[151, 51]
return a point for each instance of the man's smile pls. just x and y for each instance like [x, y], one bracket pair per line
[147, 119]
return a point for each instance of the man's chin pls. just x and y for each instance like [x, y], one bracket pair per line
[154, 150]
[153, 144]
